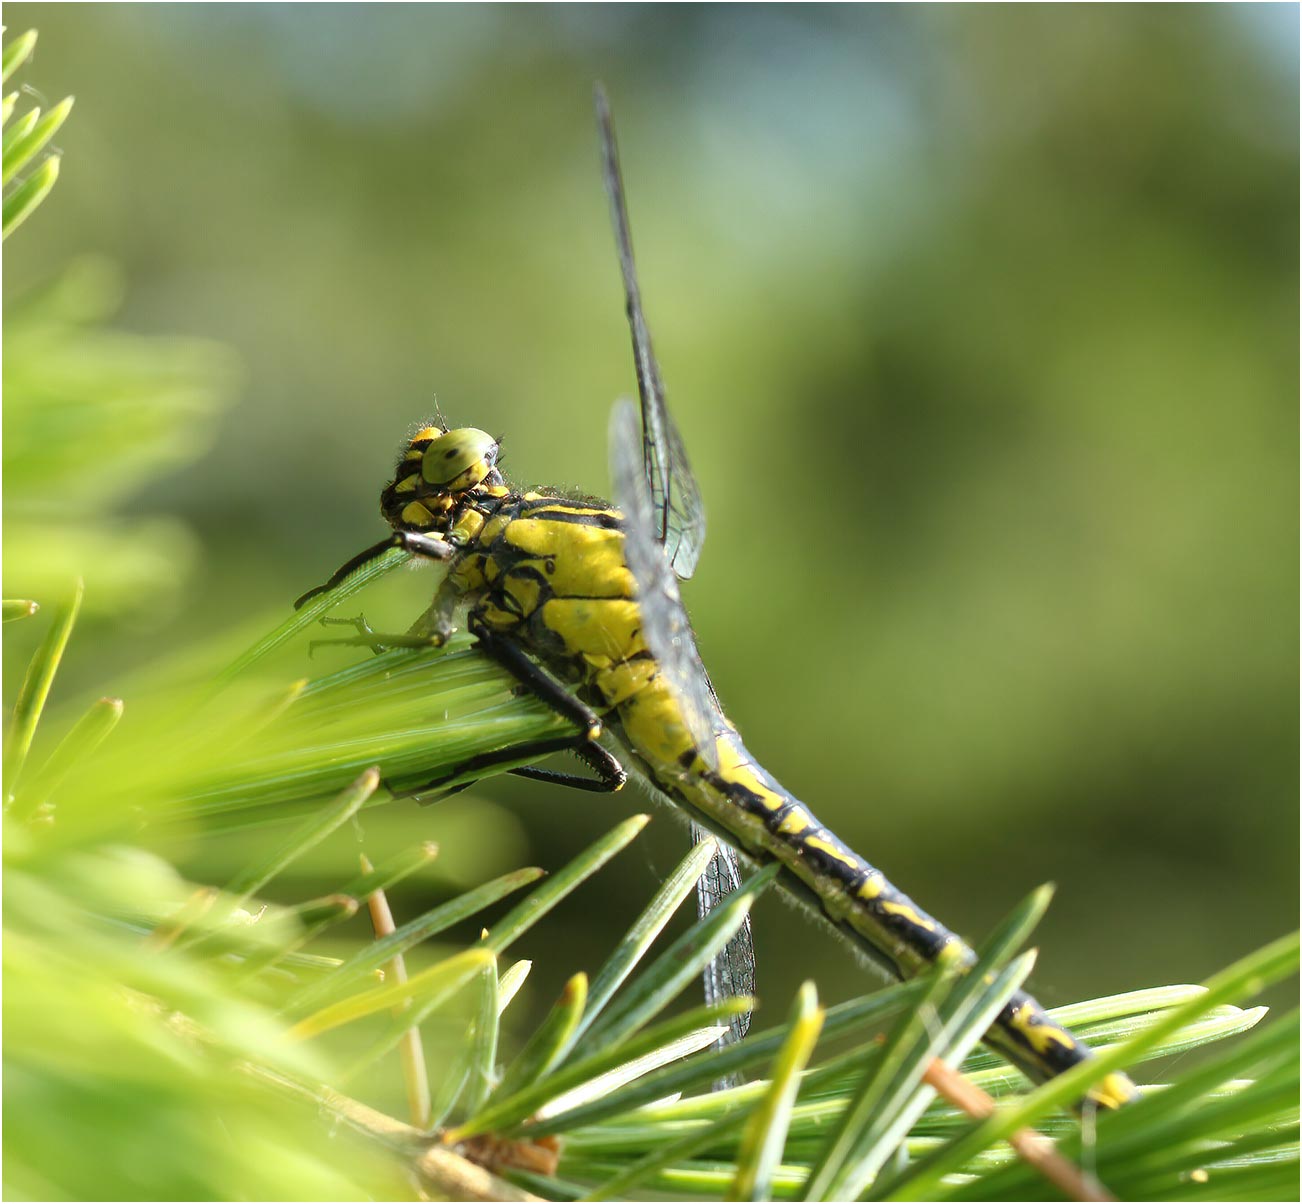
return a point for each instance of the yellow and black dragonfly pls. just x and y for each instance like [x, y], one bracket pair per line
[578, 599]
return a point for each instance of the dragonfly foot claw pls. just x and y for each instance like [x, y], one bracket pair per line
[376, 641]
[358, 623]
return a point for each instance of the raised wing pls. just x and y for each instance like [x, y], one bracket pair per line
[678, 517]
[665, 626]
[664, 530]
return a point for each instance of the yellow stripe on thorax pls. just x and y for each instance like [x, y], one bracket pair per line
[578, 560]
[606, 628]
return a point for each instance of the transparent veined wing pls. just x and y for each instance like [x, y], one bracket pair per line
[732, 973]
[665, 626]
[678, 517]
[668, 635]
[664, 532]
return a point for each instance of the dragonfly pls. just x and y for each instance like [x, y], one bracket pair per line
[578, 599]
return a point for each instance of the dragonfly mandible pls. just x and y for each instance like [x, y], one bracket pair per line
[579, 600]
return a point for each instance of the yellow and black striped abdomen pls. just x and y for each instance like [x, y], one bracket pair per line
[550, 574]
[742, 801]
[768, 822]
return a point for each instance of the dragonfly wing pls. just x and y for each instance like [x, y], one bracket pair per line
[664, 531]
[732, 973]
[665, 626]
[682, 514]
[678, 517]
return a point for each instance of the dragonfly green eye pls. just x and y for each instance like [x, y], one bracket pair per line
[459, 460]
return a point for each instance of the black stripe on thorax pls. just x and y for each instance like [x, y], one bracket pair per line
[556, 513]
[489, 504]
[524, 566]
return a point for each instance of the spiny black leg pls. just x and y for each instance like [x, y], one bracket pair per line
[575, 781]
[429, 546]
[611, 775]
[347, 567]
[491, 760]
[539, 681]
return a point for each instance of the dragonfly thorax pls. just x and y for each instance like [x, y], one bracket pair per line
[435, 471]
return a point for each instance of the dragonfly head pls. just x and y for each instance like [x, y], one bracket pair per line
[435, 470]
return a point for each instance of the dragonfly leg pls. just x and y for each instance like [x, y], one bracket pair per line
[358, 623]
[435, 621]
[343, 570]
[431, 630]
[550, 689]
[368, 637]
[428, 546]
[611, 775]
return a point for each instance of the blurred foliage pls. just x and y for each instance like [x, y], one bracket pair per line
[26, 141]
[118, 1059]
[90, 413]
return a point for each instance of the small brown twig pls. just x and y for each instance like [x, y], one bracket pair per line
[441, 1170]
[198, 905]
[1033, 1148]
[410, 1049]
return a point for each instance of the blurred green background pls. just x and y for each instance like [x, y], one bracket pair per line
[981, 327]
